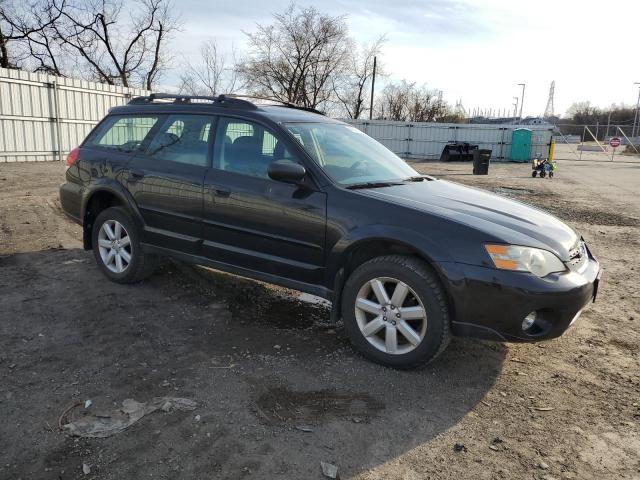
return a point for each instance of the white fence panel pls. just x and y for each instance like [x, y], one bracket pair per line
[427, 140]
[43, 117]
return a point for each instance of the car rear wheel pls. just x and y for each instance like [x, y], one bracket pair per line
[116, 247]
[395, 311]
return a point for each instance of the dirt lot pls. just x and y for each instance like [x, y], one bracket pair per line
[279, 389]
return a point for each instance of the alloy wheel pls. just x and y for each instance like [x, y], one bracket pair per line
[390, 315]
[115, 246]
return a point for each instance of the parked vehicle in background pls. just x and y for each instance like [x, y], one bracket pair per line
[286, 195]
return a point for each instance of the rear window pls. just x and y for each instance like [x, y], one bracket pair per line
[122, 133]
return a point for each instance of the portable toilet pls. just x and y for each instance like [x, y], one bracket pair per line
[521, 145]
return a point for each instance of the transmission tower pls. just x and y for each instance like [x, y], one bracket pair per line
[548, 112]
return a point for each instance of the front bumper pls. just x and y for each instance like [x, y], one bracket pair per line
[491, 304]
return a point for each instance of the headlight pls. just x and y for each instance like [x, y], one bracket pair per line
[524, 259]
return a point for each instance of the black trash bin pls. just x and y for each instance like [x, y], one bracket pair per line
[481, 161]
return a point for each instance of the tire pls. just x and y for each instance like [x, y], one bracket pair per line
[430, 336]
[542, 174]
[550, 174]
[534, 173]
[139, 266]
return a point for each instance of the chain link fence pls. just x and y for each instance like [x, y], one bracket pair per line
[592, 142]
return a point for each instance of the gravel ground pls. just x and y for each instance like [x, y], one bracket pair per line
[279, 389]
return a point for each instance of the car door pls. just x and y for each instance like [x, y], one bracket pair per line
[166, 181]
[256, 223]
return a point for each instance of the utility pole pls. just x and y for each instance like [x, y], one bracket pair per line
[522, 99]
[373, 86]
[635, 117]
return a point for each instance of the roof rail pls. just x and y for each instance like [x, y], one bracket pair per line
[281, 102]
[230, 100]
[221, 100]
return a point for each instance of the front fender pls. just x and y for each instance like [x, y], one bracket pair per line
[411, 239]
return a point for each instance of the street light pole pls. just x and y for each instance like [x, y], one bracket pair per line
[521, 99]
[635, 117]
[515, 109]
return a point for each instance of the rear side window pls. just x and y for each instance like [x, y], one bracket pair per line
[122, 133]
[247, 148]
[182, 138]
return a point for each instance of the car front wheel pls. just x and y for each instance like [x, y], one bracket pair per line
[116, 247]
[395, 311]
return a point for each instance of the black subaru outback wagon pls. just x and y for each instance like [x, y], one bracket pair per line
[288, 196]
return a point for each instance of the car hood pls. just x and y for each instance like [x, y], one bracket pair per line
[500, 217]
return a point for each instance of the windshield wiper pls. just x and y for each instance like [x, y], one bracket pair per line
[354, 186]
[417, 178]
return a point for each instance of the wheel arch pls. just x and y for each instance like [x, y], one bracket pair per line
[359, 251]
[101, 197]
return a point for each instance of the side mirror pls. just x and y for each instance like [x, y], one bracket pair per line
[286, 171]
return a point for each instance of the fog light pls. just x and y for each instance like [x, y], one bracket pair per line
[529, 321]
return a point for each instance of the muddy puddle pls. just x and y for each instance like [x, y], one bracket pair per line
[281, 406]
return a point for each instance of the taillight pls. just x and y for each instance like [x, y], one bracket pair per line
[73, 156]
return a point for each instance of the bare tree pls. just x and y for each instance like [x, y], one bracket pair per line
[116, 51]
[353, 87]
[4, 50]
[407, 102]
[213, 74]
[7, 34]
[393, 100]
[32, 26]
[424, 105]
[295, 58]
[98, 39]
[23, 26]
[450, 114]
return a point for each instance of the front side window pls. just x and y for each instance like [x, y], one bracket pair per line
[348, 155]
[122, 133]
[182, 138]
[247, 148]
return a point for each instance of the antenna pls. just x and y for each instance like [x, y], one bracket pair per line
[548, 112]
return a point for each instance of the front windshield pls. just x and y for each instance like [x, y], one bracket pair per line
[349, 156]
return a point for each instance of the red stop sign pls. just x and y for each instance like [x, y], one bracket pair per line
[614, 142]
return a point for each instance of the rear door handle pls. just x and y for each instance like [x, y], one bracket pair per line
[135, 174]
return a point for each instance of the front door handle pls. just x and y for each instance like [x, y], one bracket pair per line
[219, 192]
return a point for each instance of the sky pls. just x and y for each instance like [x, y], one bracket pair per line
[476, 51]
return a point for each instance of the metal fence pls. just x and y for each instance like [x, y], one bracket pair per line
[43, 117]
[591, 142]
[427, 140]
